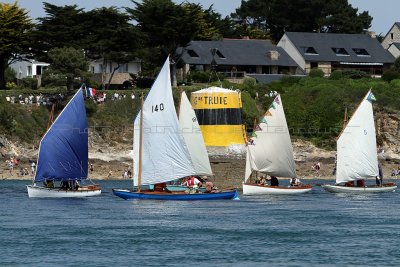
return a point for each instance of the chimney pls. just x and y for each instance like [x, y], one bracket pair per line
[273, 55]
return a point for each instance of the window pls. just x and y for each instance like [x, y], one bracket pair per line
[29, 71]
[192, 53]
[310, 51]
[123, 68]
[361, 52]
[220, 54]
[391, 36]
[340, 51]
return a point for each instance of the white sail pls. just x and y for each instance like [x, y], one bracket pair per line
[165, 156]
[356, 147]
[193, 137]
[272, 151]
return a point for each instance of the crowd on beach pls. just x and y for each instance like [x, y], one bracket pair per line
[48, 100]
[102, 97]
[40, 100]
[13, 164]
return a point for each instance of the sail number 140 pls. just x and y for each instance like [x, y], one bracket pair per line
[157, 108]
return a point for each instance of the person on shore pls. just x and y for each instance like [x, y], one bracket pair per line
[91, 168]
[33, 167]
[316, 167]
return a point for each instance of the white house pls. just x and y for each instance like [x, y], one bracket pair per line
[102, 71]
[30, 68]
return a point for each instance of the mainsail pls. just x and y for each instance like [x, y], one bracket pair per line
[356, 147]
[165, 156]
[63, 150]
[193, 137]
[271, 149]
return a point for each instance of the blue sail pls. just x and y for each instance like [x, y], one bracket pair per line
[63, 151]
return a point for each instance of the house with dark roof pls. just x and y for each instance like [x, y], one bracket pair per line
[394, 49]
[334, 51]
[237, 57]
[393, 36]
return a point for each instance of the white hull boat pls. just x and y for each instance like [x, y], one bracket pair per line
[43, 192]
[390, 187]
[256, 189]
[63, 155]
[270, 152]
[357, 157]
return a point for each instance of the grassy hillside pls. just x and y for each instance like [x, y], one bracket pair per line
[314, 107]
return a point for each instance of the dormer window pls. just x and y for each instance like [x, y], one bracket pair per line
[310, 51]
[340, 51]
[192, 53]
[361, 52]
[220, 54]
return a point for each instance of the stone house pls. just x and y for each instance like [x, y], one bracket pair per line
[393, 36]
[236, 58]
[334, 51]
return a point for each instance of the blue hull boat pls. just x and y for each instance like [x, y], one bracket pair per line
[128, 194]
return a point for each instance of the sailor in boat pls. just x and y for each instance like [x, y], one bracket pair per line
[295, 181]
[193, 183]
[48, 183]
[274, 181]
[161, 187]
[360, 183]
[261, 180]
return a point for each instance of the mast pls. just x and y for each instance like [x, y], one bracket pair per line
[140, 144]
[51, 117]
[179, 104]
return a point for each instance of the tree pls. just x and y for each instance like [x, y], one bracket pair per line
[111, 37]
[167, 26]
[68, 62]
[62, 26]
[275, 17]
[15, 28]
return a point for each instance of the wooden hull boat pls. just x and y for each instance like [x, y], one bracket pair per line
[44, 192]
[387, 187]
[257, 189]
[128, 194]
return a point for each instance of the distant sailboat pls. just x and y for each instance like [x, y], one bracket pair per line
[63, 155]
[270, 152]
[357, 157]
[161, 153]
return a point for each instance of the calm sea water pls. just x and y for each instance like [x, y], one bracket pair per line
[314, 229]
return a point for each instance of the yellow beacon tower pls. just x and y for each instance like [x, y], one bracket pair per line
[219, 113]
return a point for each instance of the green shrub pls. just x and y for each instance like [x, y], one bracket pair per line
[390, 75]
[30, 83]
[10, 75]
[250, 111]
[203, 76]
[316, 73]
[10, 85]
